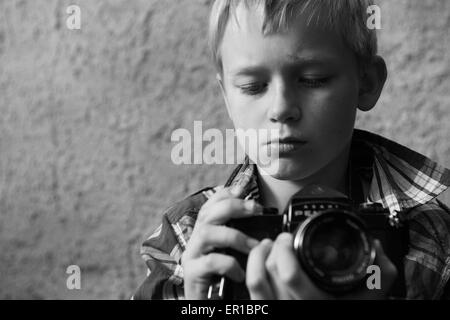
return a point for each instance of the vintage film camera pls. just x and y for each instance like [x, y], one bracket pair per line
[333, 241]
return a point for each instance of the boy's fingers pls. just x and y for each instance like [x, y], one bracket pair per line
[257, 280]
[283, 268]
[289, 279]
[387, 273]
[224, 210]
[212, 237]
[285, 262]
[388, 270]
[214, 264]
[225, 193]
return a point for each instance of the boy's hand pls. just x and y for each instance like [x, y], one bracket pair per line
[200, 263]
[273, 272]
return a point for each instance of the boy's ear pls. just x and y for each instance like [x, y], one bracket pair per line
[373, 79]
[222, 89]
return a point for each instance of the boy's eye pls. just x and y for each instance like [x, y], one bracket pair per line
[253, 88]
[313, 83]
[258, 88]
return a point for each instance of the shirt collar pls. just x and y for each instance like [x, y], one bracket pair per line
[398, 177]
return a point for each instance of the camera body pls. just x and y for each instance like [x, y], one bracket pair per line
[333, 241]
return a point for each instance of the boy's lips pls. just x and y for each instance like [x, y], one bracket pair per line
[287, 140]
[287, 145]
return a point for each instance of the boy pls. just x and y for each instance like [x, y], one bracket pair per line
[302, 68]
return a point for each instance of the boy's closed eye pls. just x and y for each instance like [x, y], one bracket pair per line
[314, 82]
[256, 88]
[253, 88]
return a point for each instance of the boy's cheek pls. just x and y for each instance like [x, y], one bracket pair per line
[333, 112]
[248, 115]
[341, 88]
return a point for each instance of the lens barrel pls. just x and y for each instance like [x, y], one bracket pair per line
[335, 249]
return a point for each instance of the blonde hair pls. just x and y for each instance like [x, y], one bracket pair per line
[347, 17]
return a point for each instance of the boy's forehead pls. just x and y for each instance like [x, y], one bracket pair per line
[244, 39]
[250, 17]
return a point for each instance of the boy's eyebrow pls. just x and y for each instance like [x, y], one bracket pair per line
[294, 62]
[311, 58]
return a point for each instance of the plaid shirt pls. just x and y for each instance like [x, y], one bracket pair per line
[402, 180]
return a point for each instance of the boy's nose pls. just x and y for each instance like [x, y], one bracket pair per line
[285, 106]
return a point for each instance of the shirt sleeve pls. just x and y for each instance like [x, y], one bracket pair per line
[427, 265]
[161, 253]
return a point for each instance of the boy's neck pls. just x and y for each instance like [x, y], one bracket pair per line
[277, 193]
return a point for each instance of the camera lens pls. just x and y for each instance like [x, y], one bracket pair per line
[334, 249]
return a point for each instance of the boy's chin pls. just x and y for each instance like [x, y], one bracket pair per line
[284, 169]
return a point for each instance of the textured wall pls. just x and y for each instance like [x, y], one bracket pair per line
[86, 118]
